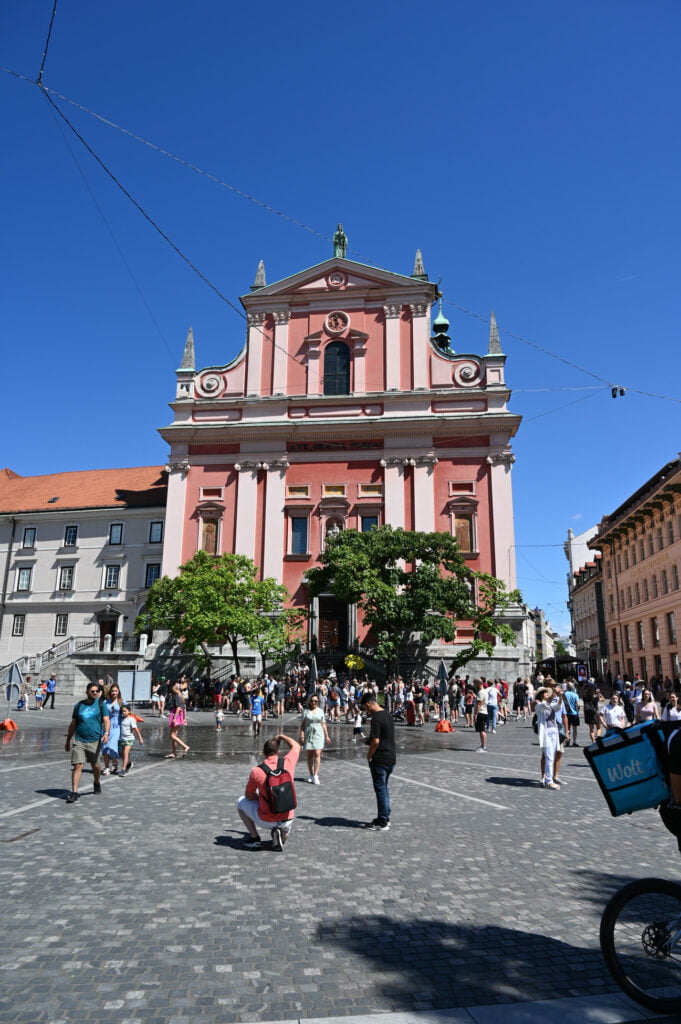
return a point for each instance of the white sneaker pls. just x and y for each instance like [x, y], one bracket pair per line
[311, 780]
[482, 750]
[315, 780]
[106, 771]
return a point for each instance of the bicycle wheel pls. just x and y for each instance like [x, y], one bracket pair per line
[641, 942]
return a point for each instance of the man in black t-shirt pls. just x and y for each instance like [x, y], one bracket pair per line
[381, 757]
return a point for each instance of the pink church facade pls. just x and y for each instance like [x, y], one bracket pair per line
[345, 409]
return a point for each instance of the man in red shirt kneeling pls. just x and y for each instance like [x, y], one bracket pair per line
[257, 808]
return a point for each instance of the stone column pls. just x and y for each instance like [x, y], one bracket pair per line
[424, 493]
[420, 329]
[313, 354]
[275, 496]
[393, 487]
[256, 322]
[392, 346]
[175, 520]
[280, 358]
[246, 507]
[501, 497]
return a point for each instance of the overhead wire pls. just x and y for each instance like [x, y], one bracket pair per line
[112, 235]
[48, 93]
[47, 44]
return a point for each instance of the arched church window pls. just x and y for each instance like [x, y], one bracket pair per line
[337, 369]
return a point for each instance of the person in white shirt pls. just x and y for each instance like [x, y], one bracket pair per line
[612, 715]
[671, 711]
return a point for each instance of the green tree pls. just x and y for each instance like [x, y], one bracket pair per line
[217, 600]
[413, 588]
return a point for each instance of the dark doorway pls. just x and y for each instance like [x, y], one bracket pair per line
[333, 624]
[107, 627]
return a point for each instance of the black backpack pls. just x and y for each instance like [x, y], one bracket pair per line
[280, 792]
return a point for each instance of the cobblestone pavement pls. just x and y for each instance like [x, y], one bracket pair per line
[142, 906]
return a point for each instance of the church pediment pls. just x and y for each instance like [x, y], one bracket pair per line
[341, 276]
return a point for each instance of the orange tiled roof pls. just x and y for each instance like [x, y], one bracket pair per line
[90, 488]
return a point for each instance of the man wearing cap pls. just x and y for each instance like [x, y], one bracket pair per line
[381, 757]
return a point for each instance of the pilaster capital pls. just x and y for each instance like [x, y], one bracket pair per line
[256, 319]
[281, 317]
[181, 466]
[392, 310]
[503, 458]
[419, 308]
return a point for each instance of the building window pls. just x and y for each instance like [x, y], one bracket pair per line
[29, 537]
[463, 531]
[660, 539]
[66, 577]
[671, 627]
[641, 551]
[670, 532]
[18, 625]
[299, 526]
[333, 490]
[651, 544]
[663, 582]
[611, 601]
[112, 577]
[298, 491]
[644, 668]
[337, 369]
[368, 523]
[116, 533]
[640, 636]
[655, 631]
[646, 595]
[61, 624]
[633, 554]
[627, 637]
[637, 594]
[370, 490]
[207, 493]
[675, 578]
[626, 558]
[70, 536]
[628, 597]
[209, 536]
[619, 563]
[24, 579]
[676, 669]
[155, 533]
[654, 584]
[153, 573]
[614, 641]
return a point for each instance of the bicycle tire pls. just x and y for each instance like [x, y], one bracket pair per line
[633, 932]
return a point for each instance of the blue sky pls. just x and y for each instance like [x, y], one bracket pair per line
[531, 149]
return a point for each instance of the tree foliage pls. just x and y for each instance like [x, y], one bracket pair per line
[218, 600]
[413, 587]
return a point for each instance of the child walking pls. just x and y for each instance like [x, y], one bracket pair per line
[129, 728]
[357, 724]
[219, 718]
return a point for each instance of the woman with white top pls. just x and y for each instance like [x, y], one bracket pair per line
[547, 728]
[672, 711]
[612, 715]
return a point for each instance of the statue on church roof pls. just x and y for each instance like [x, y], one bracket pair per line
[340, 242]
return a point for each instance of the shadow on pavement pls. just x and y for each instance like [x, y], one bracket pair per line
[483, 964]
[332, 822]
[57, 794]
[504, 780]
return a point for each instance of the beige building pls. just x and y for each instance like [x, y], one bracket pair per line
[640, 544]
[587, 615]
[78, 553]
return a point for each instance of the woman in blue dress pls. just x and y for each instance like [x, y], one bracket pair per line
[110, 750]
